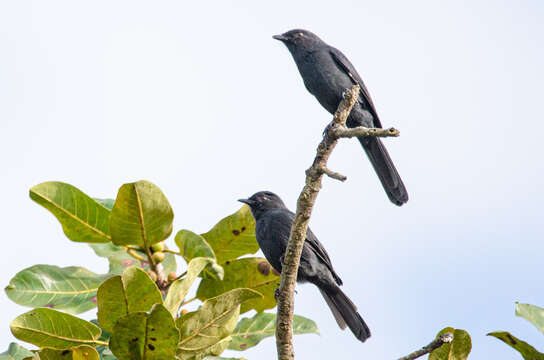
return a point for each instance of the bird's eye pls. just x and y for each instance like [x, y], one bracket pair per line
[299, 35]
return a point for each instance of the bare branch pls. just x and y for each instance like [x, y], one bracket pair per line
[364, 131]
[435, 344]
[305, 203]
[335, 130]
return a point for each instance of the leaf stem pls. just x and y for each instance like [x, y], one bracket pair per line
[188, 301]
[171, 252]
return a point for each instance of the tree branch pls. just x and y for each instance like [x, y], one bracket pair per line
[335, 130]
[435, 344]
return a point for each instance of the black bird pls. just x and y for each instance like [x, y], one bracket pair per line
[272, 227]
[327, 73]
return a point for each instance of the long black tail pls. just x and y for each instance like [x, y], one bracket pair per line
[345, 312]
[388, 175]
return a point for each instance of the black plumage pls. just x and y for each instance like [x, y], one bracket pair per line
[272, 227]
[327, 73]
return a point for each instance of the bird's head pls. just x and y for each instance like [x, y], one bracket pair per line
[299, 39]
[263, 201]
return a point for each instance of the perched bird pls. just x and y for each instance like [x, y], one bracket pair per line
[327, 73]
[272, 227]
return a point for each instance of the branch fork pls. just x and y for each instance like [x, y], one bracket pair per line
[335, 130]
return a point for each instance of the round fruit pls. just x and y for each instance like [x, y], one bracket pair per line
[158, 257]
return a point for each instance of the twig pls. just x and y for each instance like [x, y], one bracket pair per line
[435, 344]
[363, 131]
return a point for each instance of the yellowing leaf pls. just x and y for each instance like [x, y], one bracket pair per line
[233, 236]
[72, 289]
[141, 215]
[252, 273]
[82, 218]
[54, 329]
[206, 331]
[144, 336]
[119, 296]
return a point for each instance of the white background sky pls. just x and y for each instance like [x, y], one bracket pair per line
[197, 98]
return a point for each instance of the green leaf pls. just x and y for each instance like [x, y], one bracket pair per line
[145, 336]
[141, 215]
[122, 295]
[233, 236]
[119, 260]
[458, 349]
[531, 313]
[214, 350]
[15, 352]
[71, 289]
[45, 327]
[206, 331]
[250, 331]
[179, 288]
[82, 218]
[192, 245]
[82, 352]
[252, 273]
[527, 351]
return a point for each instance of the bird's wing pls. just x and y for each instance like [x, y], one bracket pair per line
[342, 61]
[313, 245]
[321, 253]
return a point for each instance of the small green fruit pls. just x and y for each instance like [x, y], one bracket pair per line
[158, 247]
[158, 257]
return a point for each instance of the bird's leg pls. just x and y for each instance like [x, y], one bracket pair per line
[327, 128]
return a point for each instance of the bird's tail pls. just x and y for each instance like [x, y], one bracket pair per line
[345, 312]
[383, 165]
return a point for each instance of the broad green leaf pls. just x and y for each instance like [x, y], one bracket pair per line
[233, 236]
[205, 331]
[82, 218]
[213, 350]
[119, 260]
[15, 352]
[141, 215]
[71, 289]
[531, 313]
[145, 336]
[250, 331]
[252, 273]
[458, 349]
[45, 327]
[527, 351]
[192, 245]
[82, 352]
[122, 295]
[179, 288]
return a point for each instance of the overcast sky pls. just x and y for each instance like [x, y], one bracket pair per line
[199, 99]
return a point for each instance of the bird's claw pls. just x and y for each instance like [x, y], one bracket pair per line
[277, 293]
[326, 131]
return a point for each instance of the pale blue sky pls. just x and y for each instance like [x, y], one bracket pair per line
[197, 98]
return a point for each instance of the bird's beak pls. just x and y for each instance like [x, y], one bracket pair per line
[280, 38]
[246, 201]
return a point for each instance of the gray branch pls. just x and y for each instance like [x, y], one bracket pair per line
[435, 344]
[335, 130]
